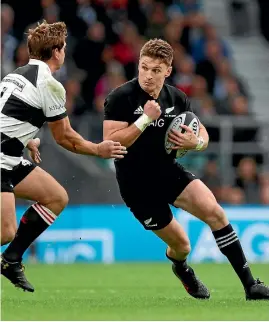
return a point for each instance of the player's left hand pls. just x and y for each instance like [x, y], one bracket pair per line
[187, 140]
[34, 153]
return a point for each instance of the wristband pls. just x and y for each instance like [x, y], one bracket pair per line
[142, 122]
[200, 143]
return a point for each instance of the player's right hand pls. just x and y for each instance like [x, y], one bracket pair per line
[110, 149]
[152, 109]
[34, 153]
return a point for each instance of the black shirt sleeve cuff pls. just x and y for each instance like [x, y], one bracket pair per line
[56, 117]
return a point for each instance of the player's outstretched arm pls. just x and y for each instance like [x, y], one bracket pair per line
[127, 134]
[69, 139]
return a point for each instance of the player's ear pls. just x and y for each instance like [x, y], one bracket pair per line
[168, 72]
[56, 53]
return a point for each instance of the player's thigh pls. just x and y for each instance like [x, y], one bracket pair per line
[40, 186]
[8, 217]
[175, 237]
[199, 201]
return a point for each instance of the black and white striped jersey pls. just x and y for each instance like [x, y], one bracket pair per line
[29, 97]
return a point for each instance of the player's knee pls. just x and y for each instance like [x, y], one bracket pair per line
[180, 250]
[64, 198]
[57, 201]
[185, 249]
[215, 216]
[61, 198]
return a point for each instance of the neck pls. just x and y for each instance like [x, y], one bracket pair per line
[52, 66]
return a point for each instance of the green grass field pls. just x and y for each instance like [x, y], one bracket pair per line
[129, 292]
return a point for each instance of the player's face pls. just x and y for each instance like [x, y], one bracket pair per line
[152, 73]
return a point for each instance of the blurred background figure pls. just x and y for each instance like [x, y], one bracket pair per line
[248, 181]
[220, 64]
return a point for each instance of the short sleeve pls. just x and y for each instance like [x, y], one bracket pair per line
[188, 104]
[52, 99]
[117, 108]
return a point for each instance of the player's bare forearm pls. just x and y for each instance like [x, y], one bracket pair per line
[203, 133]
[73, 142]
[126, 136]
[69, 139]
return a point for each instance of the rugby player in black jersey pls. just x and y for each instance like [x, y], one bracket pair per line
[137, 114]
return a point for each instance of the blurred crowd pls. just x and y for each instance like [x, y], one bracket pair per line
[104, 40]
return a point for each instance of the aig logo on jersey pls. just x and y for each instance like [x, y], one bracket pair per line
[157, 123]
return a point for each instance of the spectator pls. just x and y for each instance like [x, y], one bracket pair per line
[7, 65]
[207, 109]
[86, 12]
[22, 55]
[264, 182]
[184, 7]
[8, 41]
[198, 93]
[239, 106]
[125, 52]
[177, 32]
[236, 196]
[184, 76]
[211, 177]
[157, 21]
[51, 11]
[247, 180]
[209, 33]
[88, 56]
[225, 73]
[138, 12]
[110, 80]
[75, 105]
[207, 67]
[231, 90]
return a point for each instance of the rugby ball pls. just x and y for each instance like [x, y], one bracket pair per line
[186, 118]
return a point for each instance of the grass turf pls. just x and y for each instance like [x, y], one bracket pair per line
[141, 291]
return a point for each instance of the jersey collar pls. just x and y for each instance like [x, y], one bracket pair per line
[40, 63]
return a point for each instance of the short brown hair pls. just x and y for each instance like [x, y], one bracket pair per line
[158, 48]
[43, 39]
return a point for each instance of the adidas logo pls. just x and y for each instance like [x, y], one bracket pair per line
[245, 265]
[139, 110]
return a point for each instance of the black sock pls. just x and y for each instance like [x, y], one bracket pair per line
[230, 246]
[35, 220]
[181, 266]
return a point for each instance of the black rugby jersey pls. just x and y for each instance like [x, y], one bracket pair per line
[147, 153]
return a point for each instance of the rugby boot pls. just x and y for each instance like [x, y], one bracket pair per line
[257, 291]
[191, 283]
[15, 273]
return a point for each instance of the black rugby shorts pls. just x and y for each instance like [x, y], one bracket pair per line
[149, 197]
[10, 178]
